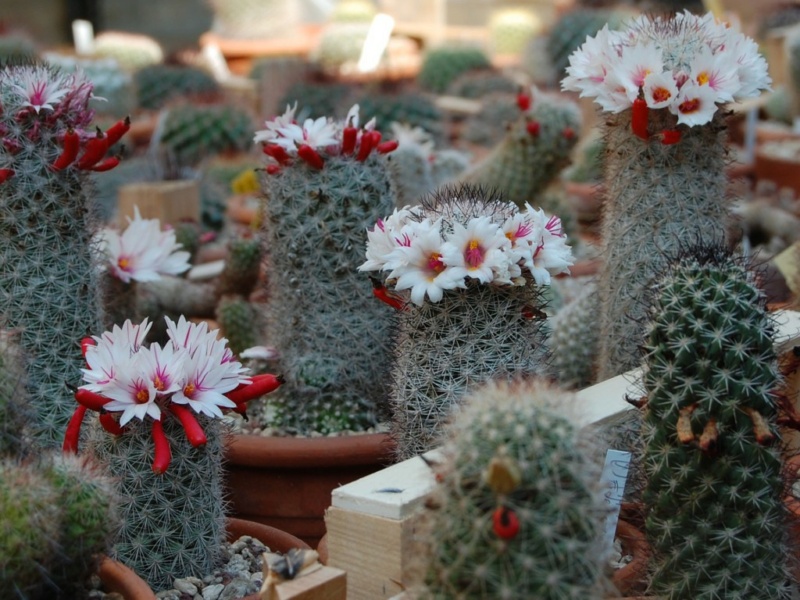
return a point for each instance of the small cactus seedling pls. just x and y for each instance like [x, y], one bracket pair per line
[159, 410]
[714, 511]
[664, 165]
[48, 276]
[519, 511]
[533, 151]
[326, 183]
[465, 271]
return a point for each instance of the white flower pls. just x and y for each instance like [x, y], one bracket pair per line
[351, 120]
[273, 127]
[478, 249]
[206, 379]
[165, 365]
[718, 71]
[588, 65]
[112, 348]
[143, 252]
[317, 133]
[40, 89]
[659, 90]
[190, 336]
[132, 390]
[387, 235]
[695, 104]
[422, 268]
[634, 65]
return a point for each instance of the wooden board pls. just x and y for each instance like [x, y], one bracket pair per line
[326, 583]
[169, 201]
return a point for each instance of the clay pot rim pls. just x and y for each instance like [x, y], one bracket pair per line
[317, 452]
[634, 542]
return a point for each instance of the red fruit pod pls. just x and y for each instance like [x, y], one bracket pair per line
[110, 424]
[95, 150]
[311, 156]
[6, 174]
[278, 153]
[523, 101]
[670, 136]
[194, 432]
[568, 133]
[387, 147]
[87, 343]
[533, 128]
[69, 152]
[117, 130]
[349, 137]
[73, 433]
[273, 169]
[639, 118]
[106, 165]
[163, 454]
[91, 400]
[505, 523]
[258, 386]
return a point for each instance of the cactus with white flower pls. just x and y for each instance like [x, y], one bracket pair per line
[326, 182]
[48, 150]
[533, 151]
[465, 272]
[143, 252]
[159, 435]
[662, 85]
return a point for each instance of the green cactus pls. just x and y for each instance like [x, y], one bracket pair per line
[570, 31]
[535, 148]
[574, 340]
[714, 512]
[513, 461]
[242, 267]
[190, 133]
[332, 335]
[48, 277]
[157, 85]
[339, 47]
[441, 66]
[478, 83]
[447, 165]
[410, 168]
[131, 50]
[315, 99]
[411, 110]
[442, 349]
[239, 322]
[173, 524]
[17, 49]
[511, 29]
[255, 19]
[56, 515]
[490, 124]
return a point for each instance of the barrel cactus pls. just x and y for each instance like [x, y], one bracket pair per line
[441, 66]
[465, 271]
[519, 512]
[666, 153]
[157, 85]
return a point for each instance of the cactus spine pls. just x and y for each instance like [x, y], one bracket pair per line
[715, 516]
[331, 334]
[469, 331]
[519, 513]
[535, 149]
[47, 281]
[575, 340]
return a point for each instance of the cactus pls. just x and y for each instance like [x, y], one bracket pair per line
[447, 165]
[131, 50]
[160, 436]
[157, 85]
[411, 110]
[519, 512]
[490, 124]
[48, 277]
[16, 412]
[574, 340]
[441, 66]
[315, 99]
[535, 148]
[17, 49]
[353, 11]
[474, 324]
[190, 133]
[56, 514]
[511, 29]
[715, 516]
[255, 19]
[570, 31]
[664, 165]
[239, 322]
[339, 47]
[242, 267]
[478, 83]
[331, 334]
[111, 83]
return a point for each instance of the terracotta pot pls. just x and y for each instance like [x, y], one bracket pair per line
[782, 171]
[631, 579]
[286, 482]
[122, 580]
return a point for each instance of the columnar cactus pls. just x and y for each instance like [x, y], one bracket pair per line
[56, 515]
[664, 167]
[325, 186]
[16, 412]
[47, 279]
[159, 411]
[473, 265]
[535, 148]
[519, 512]
[715, 517]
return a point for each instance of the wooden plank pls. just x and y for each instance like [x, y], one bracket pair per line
[326, 583]
[169, 201]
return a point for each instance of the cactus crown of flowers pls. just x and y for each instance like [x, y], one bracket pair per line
[438, 246]
[143, 252]
[193, 373]
[284, 139]
[687, 64]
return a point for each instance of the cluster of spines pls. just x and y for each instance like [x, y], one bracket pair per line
[518, 512]
[714, 512]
